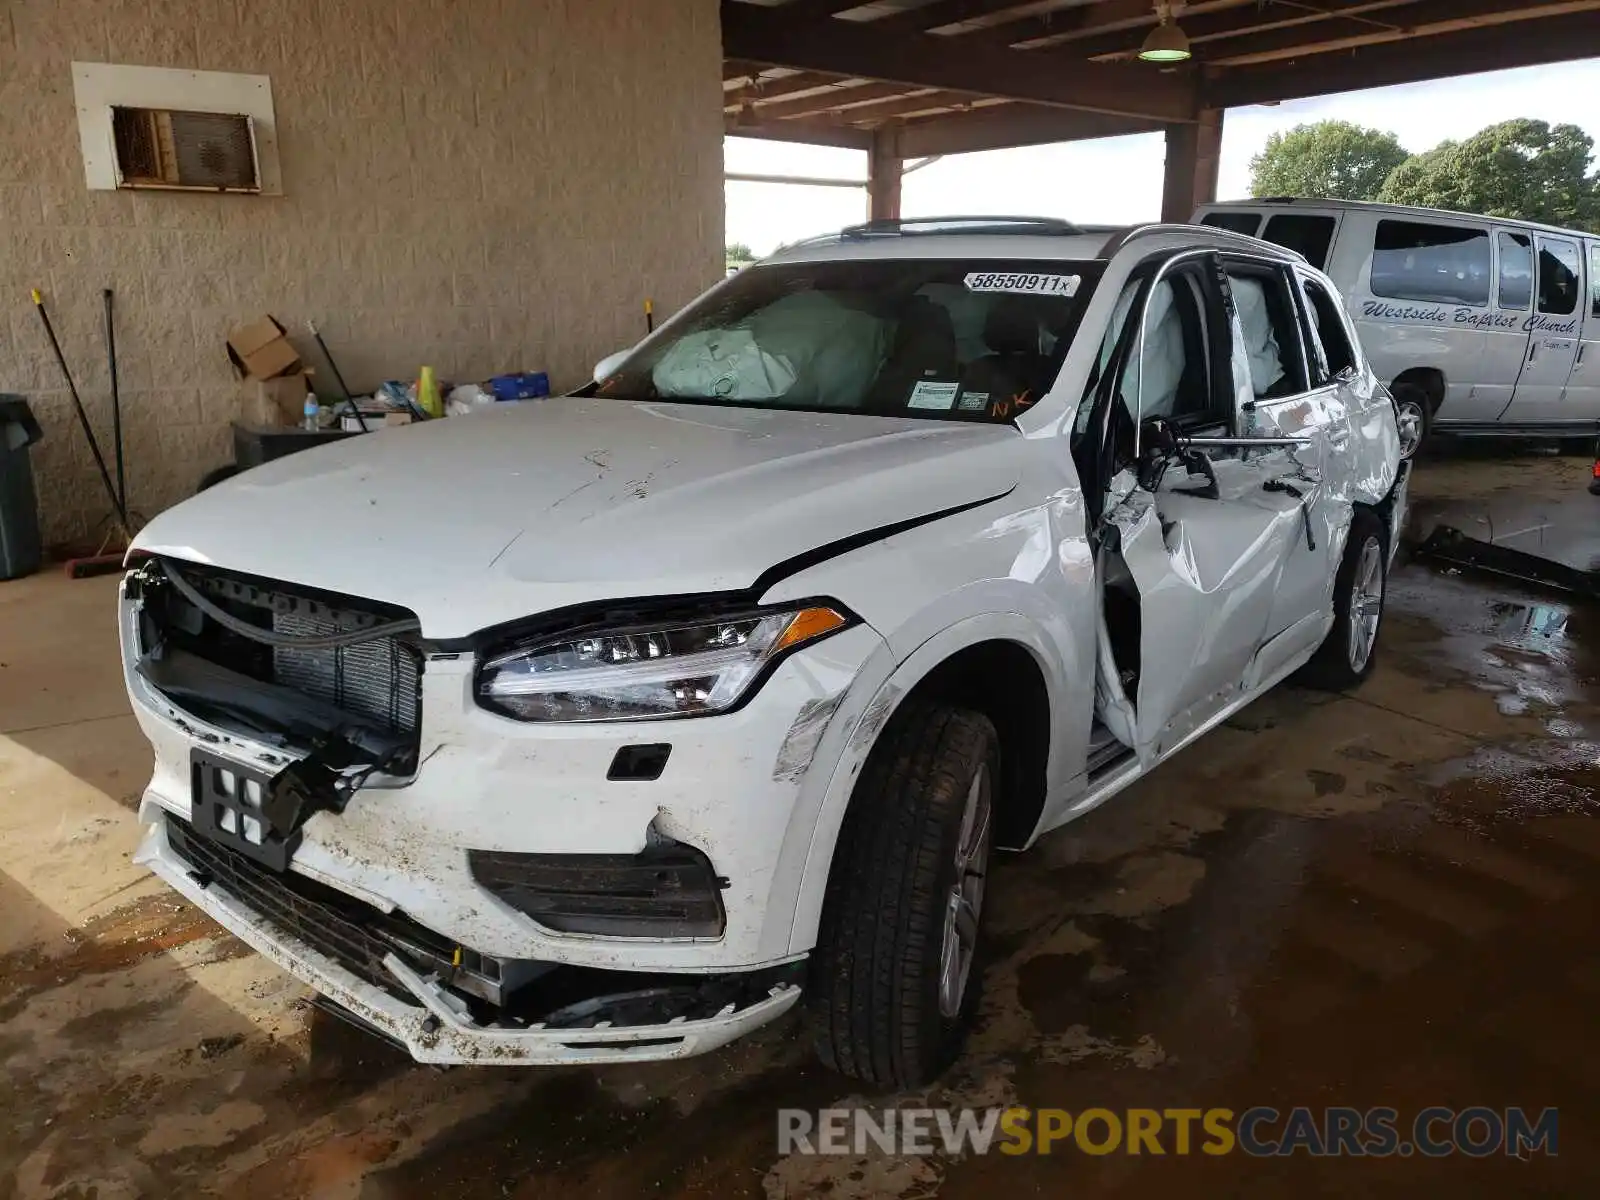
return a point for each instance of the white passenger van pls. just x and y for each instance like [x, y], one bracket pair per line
[1469, 333]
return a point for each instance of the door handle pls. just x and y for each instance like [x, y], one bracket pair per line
[1582, 346]
[1283, 485]
[1533, 349]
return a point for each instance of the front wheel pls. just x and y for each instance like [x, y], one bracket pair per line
[1346, 656]
[894, 979]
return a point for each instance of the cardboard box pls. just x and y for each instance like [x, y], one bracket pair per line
[261, 350]
[280, 401]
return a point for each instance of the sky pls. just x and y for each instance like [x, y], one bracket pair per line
[1118, 180]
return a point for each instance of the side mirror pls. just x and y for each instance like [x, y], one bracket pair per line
[607, 366]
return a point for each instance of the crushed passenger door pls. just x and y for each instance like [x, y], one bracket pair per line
[1224, 546]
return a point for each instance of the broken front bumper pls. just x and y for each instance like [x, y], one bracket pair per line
[741, 790]
[431, 1021]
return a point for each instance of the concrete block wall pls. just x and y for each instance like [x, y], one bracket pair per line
[476, 185]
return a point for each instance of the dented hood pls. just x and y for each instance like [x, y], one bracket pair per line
[487, 518]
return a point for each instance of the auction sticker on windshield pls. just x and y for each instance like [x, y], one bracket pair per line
[1033, 285]
[928, 394]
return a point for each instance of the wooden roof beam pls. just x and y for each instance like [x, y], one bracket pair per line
[921, 104]
[959, 17]
[1467, 52]
[811, 133]
[1008, 125]
[800, 83]
[856, 49]
[840, 100]
[808, 10]
[1100, 17]
[1421, 21]
[1219, 25]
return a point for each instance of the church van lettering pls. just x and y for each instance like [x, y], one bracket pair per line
[1543, 324]
[1484, 320]
[1402, 312]
[1470, 317]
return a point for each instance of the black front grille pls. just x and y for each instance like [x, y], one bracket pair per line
[378, 681]
[355, 935]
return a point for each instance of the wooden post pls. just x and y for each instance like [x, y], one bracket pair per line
[883, 174]
[1193, 154]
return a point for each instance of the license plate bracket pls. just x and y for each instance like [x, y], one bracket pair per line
[228, 802]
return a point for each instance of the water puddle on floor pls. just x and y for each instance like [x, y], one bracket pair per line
[1538, 656]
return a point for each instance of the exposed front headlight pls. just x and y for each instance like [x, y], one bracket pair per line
[691, 668]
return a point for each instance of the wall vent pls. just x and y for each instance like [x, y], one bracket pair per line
[192, 151]
[162, 128]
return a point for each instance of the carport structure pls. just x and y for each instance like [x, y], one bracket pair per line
[907, 78]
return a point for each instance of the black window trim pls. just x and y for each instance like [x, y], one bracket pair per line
[1303, 277]
[1593, 247]
[1538, 273]
[1502, 231]
[1301, 214]
[1260, 215]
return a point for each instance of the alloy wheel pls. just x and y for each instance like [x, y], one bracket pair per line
[964, 903]
[1366, 603]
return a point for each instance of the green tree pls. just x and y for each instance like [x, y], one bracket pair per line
[1522, 168]
[1332, 159]
[738, 252]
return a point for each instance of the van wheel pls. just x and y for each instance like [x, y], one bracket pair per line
[1413, 416]
[894, 980]
[1346, 656]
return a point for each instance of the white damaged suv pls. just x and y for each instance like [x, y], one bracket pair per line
[606, 727]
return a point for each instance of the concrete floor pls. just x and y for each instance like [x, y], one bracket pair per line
[1386, 898]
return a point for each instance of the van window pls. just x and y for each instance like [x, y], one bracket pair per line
[1559, 266]
[1516, 270]
[1328, 331]
[1239, 222]
[1442, 264]
[1594, 279]
[1306, 235]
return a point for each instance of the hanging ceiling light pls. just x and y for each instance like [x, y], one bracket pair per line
[1166, 43]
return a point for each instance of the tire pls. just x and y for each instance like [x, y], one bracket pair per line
[878, 1004]
[1413, 412]
[1339, 663]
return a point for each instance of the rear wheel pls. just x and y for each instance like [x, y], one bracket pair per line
[894, 977]
[1347, 655]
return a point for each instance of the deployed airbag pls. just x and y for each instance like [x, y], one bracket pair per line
[726, 363]
[1259, 344]
[805, 348]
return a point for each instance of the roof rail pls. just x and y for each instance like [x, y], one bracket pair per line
[1215, 232]
[922, 226]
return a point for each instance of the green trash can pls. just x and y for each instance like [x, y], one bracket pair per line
[20, 550]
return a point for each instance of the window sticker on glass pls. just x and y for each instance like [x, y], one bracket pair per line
[927, 394]
[973, 401]
[1033, 285]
